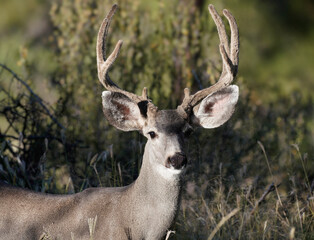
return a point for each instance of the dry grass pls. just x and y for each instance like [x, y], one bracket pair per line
[228, 208]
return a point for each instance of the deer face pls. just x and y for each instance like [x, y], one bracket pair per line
[166, 137]
[168, 130]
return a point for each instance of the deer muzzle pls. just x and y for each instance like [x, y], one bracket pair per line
[177, 161]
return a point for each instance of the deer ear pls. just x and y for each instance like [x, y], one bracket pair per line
[121, 111]
[217, 108]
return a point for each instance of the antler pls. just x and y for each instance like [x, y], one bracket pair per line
[104, 64]
[230, 59]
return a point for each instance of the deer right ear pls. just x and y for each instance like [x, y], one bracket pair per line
[121, 111]
[217, 108]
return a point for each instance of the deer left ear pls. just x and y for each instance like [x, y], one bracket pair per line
[217, 108]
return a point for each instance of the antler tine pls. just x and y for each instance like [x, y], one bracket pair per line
[230, 60]
[235, 43]
[220, 27]
[104, 64]
[102, 35]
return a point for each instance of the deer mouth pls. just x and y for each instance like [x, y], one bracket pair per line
[178, 161]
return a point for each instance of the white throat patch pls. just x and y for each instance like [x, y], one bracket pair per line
[168, 173]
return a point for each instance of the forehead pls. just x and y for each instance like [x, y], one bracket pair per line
[169, 121]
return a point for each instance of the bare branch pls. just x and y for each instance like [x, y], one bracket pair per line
[37, 98]
[270, 189]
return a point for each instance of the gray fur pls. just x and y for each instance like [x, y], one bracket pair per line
[142, 210]
[147, 208]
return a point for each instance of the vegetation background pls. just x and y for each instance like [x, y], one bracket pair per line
[258, 167]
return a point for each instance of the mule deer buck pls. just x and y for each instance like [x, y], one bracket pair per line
[146, 208]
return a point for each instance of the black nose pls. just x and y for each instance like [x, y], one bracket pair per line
[178, 161]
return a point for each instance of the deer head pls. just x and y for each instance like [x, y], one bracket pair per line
[166, 130]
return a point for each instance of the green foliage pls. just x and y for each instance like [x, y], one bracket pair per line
[276, 47]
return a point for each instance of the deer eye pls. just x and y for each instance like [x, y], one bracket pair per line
[152, 134]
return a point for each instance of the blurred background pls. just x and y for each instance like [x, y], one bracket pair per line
[54, 138]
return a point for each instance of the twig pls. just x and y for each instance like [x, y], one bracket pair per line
[272, 176]
[31, 137]
[270, 189]
[38, 99]
[222, 222]
[169, 233]
[302, 161]
[309, 197]
[92, 225]
[269, 168]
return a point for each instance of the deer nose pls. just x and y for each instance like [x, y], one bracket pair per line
[177, 161]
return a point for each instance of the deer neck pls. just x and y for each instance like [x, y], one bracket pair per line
[154, 199]
[155, 185]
